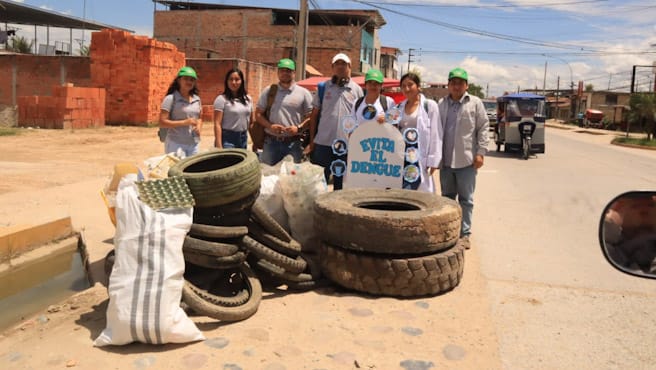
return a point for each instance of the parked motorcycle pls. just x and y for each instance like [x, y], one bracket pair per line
[627, 233]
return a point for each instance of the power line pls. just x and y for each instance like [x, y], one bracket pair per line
[529, 53]
[491, 6]
[481, 32]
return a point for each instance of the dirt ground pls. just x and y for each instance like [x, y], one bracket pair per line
[47, 174]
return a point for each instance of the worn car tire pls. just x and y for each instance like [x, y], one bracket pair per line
[387, 221]
[210, 248]
[269, 223]
[220, 176]
[217, 232]
[214, 262]
[204, 303]
[394, 275]
[261, 251]
[109, 264]
[257, 232]
[227, 211]
[203, 282]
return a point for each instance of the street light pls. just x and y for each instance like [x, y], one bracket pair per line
[571, 75]
[571, 79]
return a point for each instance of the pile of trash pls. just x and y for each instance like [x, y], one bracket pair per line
[218, 219]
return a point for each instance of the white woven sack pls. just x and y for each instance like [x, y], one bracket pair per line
[146, 282]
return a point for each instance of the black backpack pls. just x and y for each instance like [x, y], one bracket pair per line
[382, 98]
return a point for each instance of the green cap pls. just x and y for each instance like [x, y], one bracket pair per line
[287, 63]
[458, 73]
[187, 71]
[374, 75]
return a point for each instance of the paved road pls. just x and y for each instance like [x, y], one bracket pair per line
[556, 303]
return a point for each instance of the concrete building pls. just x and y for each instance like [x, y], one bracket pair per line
[389, 61]
[266, 35]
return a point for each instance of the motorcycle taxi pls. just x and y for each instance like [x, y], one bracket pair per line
[520, 125]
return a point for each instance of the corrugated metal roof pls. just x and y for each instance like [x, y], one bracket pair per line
[18, 13]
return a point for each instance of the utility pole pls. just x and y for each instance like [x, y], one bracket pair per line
[301, 40]
[544, 80]
[410, 55]
[487, 90]
[610, 77]
[557, 95]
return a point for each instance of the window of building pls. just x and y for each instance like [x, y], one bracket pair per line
[611, 99]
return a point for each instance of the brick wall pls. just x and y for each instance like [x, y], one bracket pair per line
[36, 74]
[249, 34]
[68, 107]
[135, 71]
[211, 77]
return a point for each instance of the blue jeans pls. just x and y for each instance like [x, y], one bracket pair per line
[460, 182]
[323, 156]
[172, 147]
[234, 139]
[274, 151]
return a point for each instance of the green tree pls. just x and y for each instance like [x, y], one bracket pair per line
[19, 44]
[589, 88]
[476, 90]
[643, 112]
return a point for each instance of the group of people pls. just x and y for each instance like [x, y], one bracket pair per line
[452, 133]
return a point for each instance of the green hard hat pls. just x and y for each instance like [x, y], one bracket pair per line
[374, 75]
[458, 73]
[287, 63]
[187, 71]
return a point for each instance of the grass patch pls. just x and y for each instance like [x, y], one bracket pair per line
[635, 141]
[9, 131]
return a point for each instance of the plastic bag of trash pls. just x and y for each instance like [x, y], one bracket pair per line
[145, 286]
[271, 199]
[301, 183]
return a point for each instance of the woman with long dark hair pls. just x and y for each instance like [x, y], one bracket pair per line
[423, 115]
[233, 112]
[180, 114]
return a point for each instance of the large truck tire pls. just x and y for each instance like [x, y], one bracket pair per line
[392, 275]
[387, 221]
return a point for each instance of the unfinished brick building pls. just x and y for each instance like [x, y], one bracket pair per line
[265, 34]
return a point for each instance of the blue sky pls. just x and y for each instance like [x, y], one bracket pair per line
[595, 41]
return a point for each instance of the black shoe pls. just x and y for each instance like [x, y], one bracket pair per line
[465, 241]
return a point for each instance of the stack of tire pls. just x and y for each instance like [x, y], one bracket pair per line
[276, 255]
[218, 282]
[230, 234]
[390, 242]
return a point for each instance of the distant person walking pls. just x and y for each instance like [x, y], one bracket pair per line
[180, 114]
[233, 112]
[422, 114]
[465, 138]
[283, 119]
[333, 102]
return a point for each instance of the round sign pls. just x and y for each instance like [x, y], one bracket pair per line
[393, 116]
[348, 124]
[339, 147]
[411, 173]
[411, 155]
[338, 167]
[410, 135]
[369, 112]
